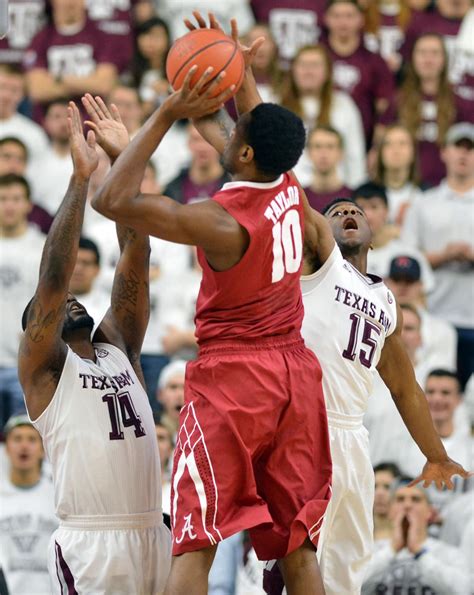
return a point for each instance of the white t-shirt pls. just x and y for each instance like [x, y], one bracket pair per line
[49, 177]
[27, 521]
[32, 135]
[346, 119]
[400, 197]
[439, 217]
[96, 302]
[19, 268]
[349, 351]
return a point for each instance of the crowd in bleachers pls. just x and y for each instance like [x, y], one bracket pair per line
[386, 91]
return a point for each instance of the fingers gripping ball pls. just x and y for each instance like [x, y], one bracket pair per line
[205, 48]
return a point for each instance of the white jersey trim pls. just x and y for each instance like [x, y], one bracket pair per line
[261, 185]
[310, 282]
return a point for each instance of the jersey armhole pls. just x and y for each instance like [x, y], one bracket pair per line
[309, 282]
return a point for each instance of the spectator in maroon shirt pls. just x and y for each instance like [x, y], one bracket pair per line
[203, 177]
[326, 152]
[13, 160]
[25, 20]
[69, 57]
[427, 104]
[357, 71]
[293, 23]
[385, 24]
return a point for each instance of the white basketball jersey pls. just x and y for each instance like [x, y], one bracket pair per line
[347, 318]
[99, 434]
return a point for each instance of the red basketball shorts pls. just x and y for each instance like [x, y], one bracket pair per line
[252, 449]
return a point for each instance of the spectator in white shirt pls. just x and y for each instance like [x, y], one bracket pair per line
[396, 170]
[386, 245]
[170, 394]
[21, 245]
[51, 173]
[385, 476]
[12, 86]
[439, 338]
[441, 225]
[83, 281]
[27, 517]
[412, 562]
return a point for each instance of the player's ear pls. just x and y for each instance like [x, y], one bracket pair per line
[246, 154]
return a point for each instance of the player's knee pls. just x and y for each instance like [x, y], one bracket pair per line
[303, 556]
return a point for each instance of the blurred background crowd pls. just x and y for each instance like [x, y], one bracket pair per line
[386, 91]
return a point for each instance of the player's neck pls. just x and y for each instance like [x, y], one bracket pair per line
[82, 347]
[253, 176]
[357, 260]
[344, 46]
[25, 478]
[326, 181]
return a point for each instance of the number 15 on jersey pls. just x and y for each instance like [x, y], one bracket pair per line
[287, 245]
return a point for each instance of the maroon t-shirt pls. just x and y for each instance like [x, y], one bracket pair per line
[26, 17]
[196, 192]
[293, 23]
[366, 78]
[389, 39]
[114, 17]
[318, 200]
[78, 54]
[432, 168]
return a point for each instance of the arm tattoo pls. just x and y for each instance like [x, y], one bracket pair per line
[225, 123]
[39, 321]
[125, 298]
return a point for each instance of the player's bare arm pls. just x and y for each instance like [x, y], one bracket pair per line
[204, 224]
[42, 351]
[397, 372]
[125, 323]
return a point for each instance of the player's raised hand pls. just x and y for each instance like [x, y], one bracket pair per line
[83, 151]
[440, 474]
[198, 101]
[109, 129]
[248, 52]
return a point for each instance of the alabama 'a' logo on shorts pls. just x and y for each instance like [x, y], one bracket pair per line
[188, 529]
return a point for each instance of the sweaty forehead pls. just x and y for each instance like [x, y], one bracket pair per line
[340, 206]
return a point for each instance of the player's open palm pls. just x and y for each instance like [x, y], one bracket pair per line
[248, 52]
[107, 124]
[83, 151]
[440, 474]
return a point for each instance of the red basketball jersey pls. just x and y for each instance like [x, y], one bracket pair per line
[260, 296]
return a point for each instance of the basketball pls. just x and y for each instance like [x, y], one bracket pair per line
[205, 48]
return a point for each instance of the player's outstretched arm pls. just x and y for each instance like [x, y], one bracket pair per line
[397, 372]
[217, 128]
[42, 351]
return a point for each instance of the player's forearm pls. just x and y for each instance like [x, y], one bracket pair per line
[61, 246]
[248, 96]
[122, 184]
[216, 129]
[413, 408]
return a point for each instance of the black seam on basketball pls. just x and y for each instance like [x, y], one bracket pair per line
[228, 62]
[196, 54]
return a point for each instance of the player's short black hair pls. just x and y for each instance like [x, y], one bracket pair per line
[277, 137]
[337, 201]
[11, 179]
[388, 466]
[443, 373]
[87, 244]
[371, 190]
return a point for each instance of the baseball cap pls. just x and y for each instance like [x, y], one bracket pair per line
[20, 419]
[405, 267]
[458, 132]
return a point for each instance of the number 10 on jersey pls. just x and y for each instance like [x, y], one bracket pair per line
[287, 245]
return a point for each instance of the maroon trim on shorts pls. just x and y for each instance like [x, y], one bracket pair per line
[67, 574]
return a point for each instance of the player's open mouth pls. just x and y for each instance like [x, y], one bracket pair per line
[350, 224]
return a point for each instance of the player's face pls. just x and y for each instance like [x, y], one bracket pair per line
[76, 317]
[442, 394]
[411, 501]
[383, 483]
[24, 448]
[349, 226]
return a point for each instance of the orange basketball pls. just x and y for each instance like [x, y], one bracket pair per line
[204, 48]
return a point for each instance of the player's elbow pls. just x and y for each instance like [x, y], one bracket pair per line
[105, 202]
